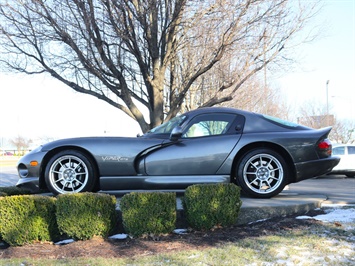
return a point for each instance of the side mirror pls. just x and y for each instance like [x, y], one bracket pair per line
[176, 133]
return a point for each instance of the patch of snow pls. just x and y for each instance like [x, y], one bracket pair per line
[337, 215]
[118, 236]
[304, 217]
[64, 242]
[258, 221]
[333, 205]
[180, 231]
[341, 215]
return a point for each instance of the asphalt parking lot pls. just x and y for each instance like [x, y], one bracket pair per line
[8, 176]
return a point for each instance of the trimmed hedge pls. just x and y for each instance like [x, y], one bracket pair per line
[210, 205]
[27, 218]
[148, 213]
[84, 215]
[11, 191]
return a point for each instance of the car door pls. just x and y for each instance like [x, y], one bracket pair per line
[340, 152]
[205, 144]
[349, 158]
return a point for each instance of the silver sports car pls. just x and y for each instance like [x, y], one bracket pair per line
[259, 153]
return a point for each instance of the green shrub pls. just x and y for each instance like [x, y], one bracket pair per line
[11, 191]
[148, 213]
[210, 205]
[27, 218]
[84, 215]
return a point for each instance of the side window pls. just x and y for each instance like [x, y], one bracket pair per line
[209, 125]
[351, 149]
[339, 151]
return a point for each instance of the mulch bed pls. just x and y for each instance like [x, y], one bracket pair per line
[193, 240]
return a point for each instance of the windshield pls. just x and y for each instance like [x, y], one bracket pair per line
[167, 127]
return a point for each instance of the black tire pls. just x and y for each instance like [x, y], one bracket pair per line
[262, 173]
[70, 171]
[350, 175]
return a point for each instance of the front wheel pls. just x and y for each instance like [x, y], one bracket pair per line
[262, 173]
[69, 172]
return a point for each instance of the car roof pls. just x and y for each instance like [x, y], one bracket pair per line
[255, 122]
[219, 110]
[207, 110]
[343, 145]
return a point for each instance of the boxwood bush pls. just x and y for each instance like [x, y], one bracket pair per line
[148, 213]
[209, 205]
[27, 218]
[11, 191]
[84, 215]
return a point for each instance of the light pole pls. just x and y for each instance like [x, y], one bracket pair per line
[326, 86]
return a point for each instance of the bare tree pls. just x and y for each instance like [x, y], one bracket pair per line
[21, 144]
[256, 97]
[315, 115]
[343, 131]
[162, 55]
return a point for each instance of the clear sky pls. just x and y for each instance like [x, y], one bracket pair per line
[41, 107]
[331, 57]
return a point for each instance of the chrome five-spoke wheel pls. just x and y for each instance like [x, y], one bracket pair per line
[262, 173]
[69, 172]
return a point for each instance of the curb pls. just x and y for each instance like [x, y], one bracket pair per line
[254, 210]
[251, 215]
[282, 205]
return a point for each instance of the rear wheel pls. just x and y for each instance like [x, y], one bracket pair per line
[70, 171]
[262, 173]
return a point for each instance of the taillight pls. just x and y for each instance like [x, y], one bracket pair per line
[325, 147]
[325, 144]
